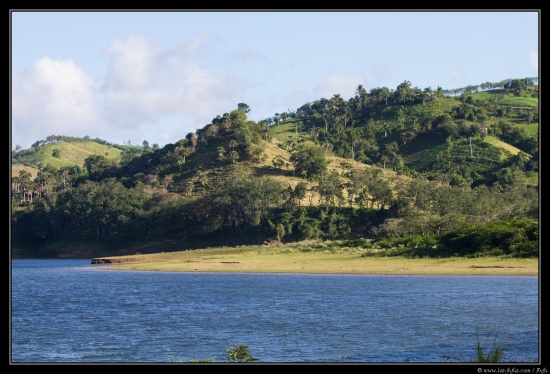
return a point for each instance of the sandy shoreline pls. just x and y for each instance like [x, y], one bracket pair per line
[260, 260]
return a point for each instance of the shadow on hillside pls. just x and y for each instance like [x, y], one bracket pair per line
[262, 171]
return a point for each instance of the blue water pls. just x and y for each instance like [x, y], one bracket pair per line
[69, 311]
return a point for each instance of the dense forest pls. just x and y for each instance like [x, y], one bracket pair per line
[414, 172]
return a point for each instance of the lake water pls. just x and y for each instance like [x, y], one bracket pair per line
[69, 311]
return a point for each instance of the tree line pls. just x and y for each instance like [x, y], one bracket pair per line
[258, 209]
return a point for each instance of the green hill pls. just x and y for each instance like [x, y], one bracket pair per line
[404, 168]
[69, 154]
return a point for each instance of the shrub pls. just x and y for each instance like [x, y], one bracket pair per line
[494, 356]
[234, 354]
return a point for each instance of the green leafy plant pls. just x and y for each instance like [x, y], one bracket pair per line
[492, 356]
[234, 354]
[239, 354]
[495, 355]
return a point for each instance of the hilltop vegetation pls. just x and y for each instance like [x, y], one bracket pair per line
[59, 152]
[409, 171]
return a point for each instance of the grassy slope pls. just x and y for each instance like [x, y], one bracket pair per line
[216, 172]
[71, 154]
[419, 154]
[503, 97]
[520, 101]
[16, 168]
[286, 131]
[500, 144]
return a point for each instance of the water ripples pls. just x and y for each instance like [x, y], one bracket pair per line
[63, 314]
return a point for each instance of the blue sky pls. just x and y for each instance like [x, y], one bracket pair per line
[156, 76]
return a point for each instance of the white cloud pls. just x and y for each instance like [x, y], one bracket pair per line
[55, 97]
[132, 64]
[456, 73]
[144, 87]
[341, 84]
[145, 82]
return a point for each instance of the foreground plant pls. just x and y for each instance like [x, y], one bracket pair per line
[234, 354]
[494, 356]
[239, 354]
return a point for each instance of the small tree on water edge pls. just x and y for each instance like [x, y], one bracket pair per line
[234, 354]
[239, 354]
[492, 356]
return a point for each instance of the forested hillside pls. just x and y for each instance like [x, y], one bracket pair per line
[411, 171]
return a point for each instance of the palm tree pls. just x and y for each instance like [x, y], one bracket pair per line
[384, 159]
[335, 109]
[181, 161]
[361, 95]
[203, 179]
[403, 92]
[360, 91]
[63, 172]
[25, 184]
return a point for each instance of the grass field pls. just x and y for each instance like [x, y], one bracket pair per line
[15, 169]
[520, 101]
[300, 259]
[531, 130]
[70, 154]
[499, 143]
